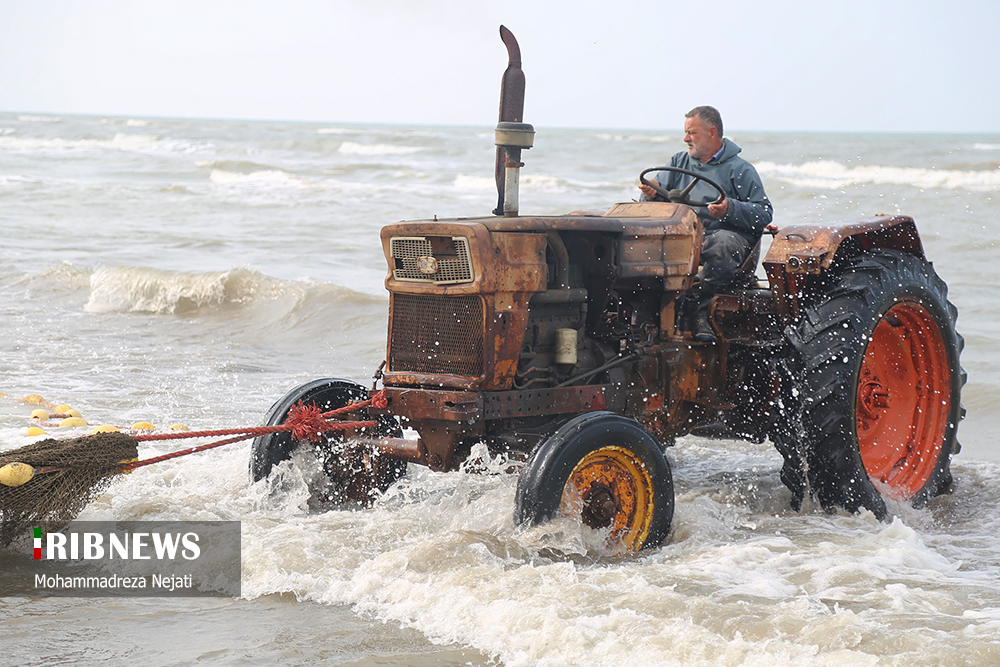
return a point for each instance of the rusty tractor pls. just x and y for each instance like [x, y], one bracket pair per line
[565, 342]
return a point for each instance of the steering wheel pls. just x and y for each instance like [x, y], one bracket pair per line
[681, 196]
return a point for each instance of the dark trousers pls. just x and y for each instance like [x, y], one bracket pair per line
[722, 254]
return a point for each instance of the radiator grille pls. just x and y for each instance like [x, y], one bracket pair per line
[437, 334]
[441, 260]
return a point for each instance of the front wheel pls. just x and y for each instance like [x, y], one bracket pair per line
[606, 470]
[345, 474]
[875, 373]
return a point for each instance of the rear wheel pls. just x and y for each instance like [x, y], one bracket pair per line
[876, 382]
[606, 470]
[344, 474]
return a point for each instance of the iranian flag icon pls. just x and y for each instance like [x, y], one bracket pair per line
[38, 543]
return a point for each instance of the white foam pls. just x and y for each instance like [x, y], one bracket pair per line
[269, 177]
[18, 179]
[28, 144]
[338, 130]
[644, 138]
[543, 183]
[986, 147]
[354, 148]
[28, 118]
[466, 182]
[831, 175]
[140, 143]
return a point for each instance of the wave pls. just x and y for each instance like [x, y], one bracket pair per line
[127, 122]
[62, 278]
[241, 166]
[131, 289]
[534, 182]
[464, 182]
[141, 143]
[645, 138]
[134, 289]
[986, 147]
[18, 179]
[341, 130]
[354, 148]
[404, 132]
[267, 177]
[28, 118]
[831, 175]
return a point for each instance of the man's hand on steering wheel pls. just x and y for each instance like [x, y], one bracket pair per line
[647, 190]
[652, 188]
[718, 209]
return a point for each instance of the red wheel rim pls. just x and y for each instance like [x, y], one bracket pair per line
[903, 400]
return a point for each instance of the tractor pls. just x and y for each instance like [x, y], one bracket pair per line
[564, 342]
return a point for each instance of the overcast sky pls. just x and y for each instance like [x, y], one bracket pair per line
[837, 65]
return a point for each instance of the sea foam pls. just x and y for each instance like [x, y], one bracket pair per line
[831, 175]
[139, 143]
[269, 177]
[354, 148]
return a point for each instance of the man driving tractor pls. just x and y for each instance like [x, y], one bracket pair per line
[734, 222]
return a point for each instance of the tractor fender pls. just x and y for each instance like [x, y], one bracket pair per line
[801, 251]
[811, 247]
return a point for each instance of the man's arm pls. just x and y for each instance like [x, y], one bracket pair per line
[749, 210]
[663, 179]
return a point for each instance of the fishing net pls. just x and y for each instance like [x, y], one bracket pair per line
[68, 474]
[63, 475]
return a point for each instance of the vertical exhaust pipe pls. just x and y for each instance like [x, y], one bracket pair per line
[512, 135]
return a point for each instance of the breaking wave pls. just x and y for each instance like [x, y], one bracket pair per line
[140, 143]
[831, 175]
[143, 290]
[644, 138]
[240, 166]
[534, 183]
[268, 177]
[465, 182]
[131, 289]
[354, 148]
[28, 118]
[341, 130]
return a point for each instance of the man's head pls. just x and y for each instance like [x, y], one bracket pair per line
[703, 132]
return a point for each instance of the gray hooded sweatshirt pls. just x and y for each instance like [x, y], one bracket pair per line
[750, 210]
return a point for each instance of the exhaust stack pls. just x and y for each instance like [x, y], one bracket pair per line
[512, 135]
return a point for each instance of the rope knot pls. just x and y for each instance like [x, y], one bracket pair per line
[380, 400]
[306, 422]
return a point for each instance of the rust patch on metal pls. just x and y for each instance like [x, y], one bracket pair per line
[810, 248]
[437, 404]
[533, 402]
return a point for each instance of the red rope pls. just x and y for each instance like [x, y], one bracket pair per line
[305, 422]
[378, 400]
[341, 426]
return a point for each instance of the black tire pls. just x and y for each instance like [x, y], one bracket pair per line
[873, 387]
[608, 470]
[353, 477]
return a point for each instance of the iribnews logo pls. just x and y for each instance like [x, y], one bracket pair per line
[126, 546]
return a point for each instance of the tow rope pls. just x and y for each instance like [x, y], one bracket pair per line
[51, 481]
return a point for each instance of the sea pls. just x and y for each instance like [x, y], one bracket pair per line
[193, 271]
